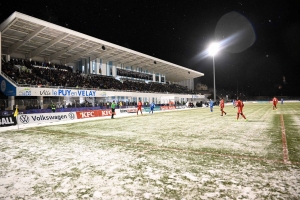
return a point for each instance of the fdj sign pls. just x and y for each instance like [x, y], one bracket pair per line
[80, 93]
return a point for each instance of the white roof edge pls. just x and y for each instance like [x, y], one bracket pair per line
[84, 36]
[6, 22]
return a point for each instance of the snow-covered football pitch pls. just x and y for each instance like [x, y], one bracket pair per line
[185, 154]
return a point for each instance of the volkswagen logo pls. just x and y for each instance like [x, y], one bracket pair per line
[71, 116]
[24, 119]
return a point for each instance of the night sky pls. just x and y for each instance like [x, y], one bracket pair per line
[180, 31]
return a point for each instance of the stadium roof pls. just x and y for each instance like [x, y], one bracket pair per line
[33, 37]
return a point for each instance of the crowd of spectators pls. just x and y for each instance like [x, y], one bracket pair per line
[32, 73]
[133, 74]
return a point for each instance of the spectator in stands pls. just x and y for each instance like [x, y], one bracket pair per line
[41, 74]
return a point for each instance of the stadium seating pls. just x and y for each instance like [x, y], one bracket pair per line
[40, 74]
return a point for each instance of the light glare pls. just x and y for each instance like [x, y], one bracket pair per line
[213, 49]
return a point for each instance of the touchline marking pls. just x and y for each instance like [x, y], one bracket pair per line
[284, 143]
[149, 148]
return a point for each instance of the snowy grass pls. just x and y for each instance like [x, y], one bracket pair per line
[188, 154]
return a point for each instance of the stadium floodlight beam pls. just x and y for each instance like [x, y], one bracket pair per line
[213, 50]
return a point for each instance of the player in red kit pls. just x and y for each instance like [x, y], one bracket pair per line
[240, 105]
[139, 108]
[222, 107]
[275, 101]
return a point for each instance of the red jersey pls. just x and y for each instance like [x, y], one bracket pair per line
[240, 106]
[275, 101]
[222, 103]
[139, 105]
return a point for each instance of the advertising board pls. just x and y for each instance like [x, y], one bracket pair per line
[6, 87]
[28, 91]
[73, 93]
[92, 113]
[7, 120]
[167, 107]
[46, 117]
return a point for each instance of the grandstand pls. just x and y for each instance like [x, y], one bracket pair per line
[43, 63]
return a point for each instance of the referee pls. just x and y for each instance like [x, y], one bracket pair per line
[113, 105]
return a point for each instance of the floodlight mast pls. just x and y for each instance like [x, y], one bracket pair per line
[213, 50]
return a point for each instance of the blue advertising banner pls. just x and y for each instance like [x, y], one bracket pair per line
[74, 93]
[7, 88]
